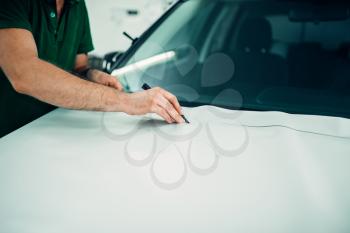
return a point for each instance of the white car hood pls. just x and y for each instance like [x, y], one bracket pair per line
[227, 171]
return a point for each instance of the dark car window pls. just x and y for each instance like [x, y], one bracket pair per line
[284, 56]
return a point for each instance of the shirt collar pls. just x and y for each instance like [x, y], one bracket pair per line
[70, 2]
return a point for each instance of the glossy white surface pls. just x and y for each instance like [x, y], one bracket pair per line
[74, 171]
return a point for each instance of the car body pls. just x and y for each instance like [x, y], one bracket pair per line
[267, 149]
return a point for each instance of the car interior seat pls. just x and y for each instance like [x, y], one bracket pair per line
[254, 63]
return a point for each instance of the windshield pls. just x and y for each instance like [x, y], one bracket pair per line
[274, 56]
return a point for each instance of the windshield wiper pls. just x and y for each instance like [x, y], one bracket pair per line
[133, 40]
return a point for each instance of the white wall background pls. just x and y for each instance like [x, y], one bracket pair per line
[109, 18]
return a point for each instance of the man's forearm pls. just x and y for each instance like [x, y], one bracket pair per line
[52, 85]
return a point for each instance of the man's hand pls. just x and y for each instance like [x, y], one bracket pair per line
[96, 76]
[105, 79]
[155, 100]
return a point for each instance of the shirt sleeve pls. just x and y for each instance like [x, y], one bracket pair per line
[14, 14]
[86, 44]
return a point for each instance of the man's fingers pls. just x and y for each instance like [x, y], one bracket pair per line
[119, 85]
[166, 105]
[173, 100]
[164, 114]
[115, 84]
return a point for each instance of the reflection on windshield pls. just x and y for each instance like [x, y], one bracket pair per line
[144, 64]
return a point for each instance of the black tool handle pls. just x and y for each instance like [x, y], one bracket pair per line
[145, 86]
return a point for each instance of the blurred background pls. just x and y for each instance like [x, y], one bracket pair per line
[110, 18]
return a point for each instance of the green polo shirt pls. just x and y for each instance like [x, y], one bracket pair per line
[58, 42]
